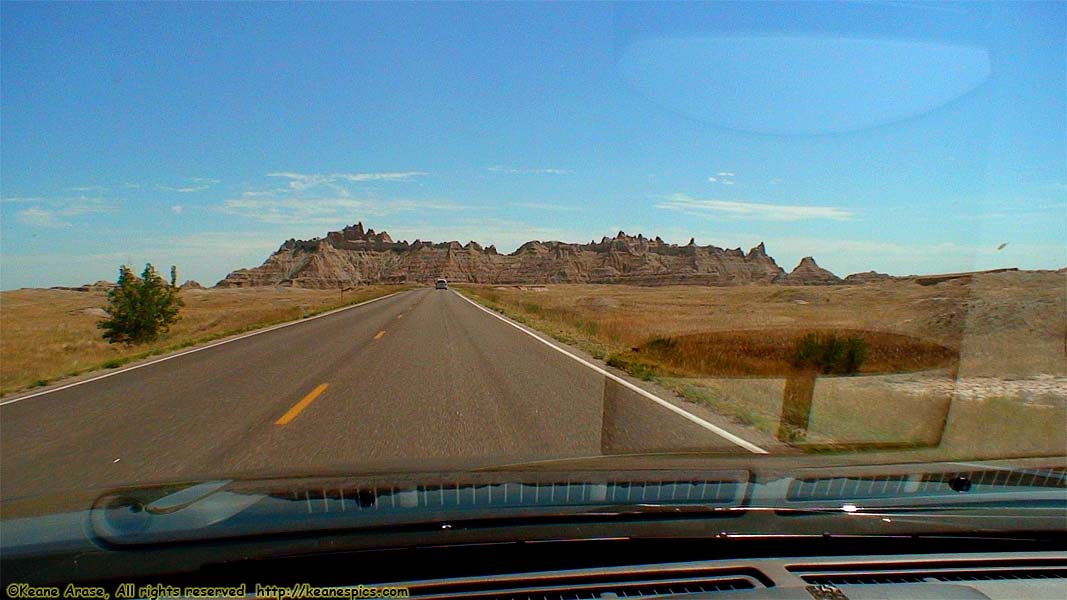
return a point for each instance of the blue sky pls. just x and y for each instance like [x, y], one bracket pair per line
[900, 137]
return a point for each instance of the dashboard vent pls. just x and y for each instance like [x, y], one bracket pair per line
[993, 575]
[1034, 478]
[920, 484]
[598, 590]
[834, 488]
[861, 574]
[864, 579]
[717, 492]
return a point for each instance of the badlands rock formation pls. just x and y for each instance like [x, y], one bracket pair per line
[809, 273]
[356, 256]
[867, 277]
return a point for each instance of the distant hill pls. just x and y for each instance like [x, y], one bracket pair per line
[357, 256]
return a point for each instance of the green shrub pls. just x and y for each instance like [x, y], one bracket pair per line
[829, 354]
[140, 308]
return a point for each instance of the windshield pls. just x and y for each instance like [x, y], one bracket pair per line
[247, 242]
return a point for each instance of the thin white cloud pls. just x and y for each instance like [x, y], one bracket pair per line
[712, 179]
[57, 213]
[751, 210]
[264, 193]
[325, 211]
[83, 206]
[546, 206]
[177, 209]
[36, 216]
[725, 174]
[184, 190]
[303, 181]
[518, 171]
[400, 176]
[197, 184]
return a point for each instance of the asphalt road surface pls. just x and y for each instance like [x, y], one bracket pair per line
[420, 375]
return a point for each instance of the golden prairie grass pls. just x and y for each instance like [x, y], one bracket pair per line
[49, 334]
[1002, 325]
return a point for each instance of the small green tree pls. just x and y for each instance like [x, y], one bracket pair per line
[140, 308]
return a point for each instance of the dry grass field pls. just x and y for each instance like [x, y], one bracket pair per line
[49, 334]
[975, 366]
[1004, 324]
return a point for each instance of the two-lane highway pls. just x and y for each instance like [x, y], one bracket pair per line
[419, 375]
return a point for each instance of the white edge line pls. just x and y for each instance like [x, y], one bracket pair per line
[192, 350]
[747, 445]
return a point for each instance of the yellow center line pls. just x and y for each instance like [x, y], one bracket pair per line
[299, 406]
[379, 335]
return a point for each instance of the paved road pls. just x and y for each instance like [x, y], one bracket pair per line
[423, 374]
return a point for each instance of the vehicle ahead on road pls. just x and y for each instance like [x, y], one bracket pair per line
[441, 284]
[648, 525]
